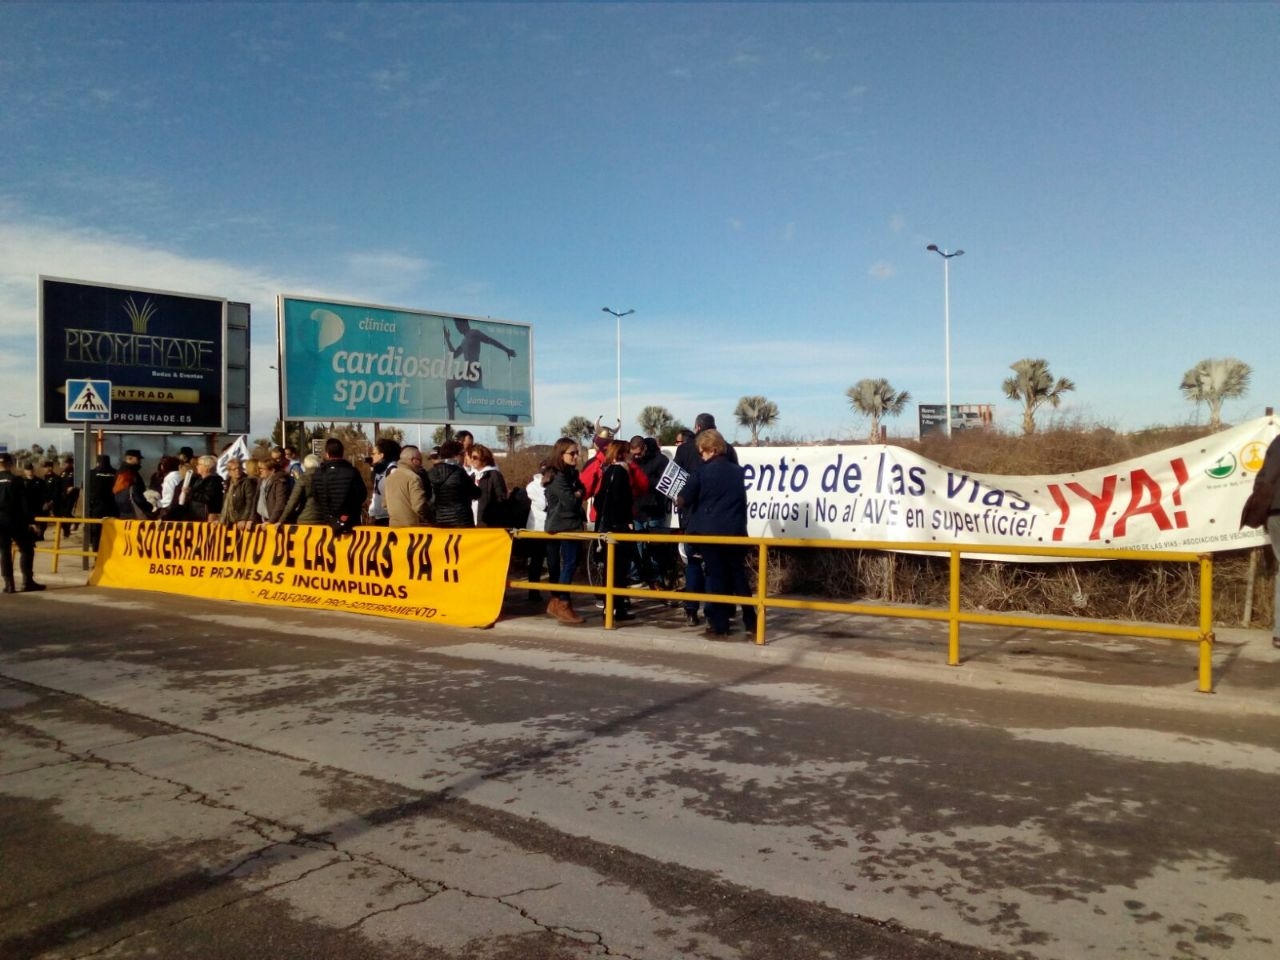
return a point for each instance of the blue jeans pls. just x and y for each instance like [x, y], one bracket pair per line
[562, 563]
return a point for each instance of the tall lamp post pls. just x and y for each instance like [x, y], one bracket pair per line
[279, 403]
[946, 316]
[618, 316]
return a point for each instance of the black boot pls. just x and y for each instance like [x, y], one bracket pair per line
[8, 585]
[27, 566]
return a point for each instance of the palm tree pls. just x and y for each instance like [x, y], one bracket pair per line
[580, 429]
[653, 420]
[1212, 381]
[756, 413]
[876, 398]
[1033, 385]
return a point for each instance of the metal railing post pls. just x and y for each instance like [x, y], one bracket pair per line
[1206, 623]
[609, 560]
[57, 544]
[953, 607]
[762, 591]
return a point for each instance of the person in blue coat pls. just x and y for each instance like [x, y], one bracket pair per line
[714, 501]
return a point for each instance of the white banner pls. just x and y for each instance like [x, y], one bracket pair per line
[1187, 498]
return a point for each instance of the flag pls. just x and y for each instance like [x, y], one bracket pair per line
[239, 450]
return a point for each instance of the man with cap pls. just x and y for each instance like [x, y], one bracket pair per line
[129, 489]
[102, 502]
[17, 526]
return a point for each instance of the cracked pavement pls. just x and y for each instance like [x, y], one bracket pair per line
[180, 777]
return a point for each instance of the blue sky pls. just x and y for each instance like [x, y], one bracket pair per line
[758, 181]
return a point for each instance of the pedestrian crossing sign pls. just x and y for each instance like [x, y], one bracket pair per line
[89, 401]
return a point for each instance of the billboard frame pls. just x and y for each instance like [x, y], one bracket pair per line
[333, 414]
[110, 371]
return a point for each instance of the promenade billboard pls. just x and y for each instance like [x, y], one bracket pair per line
[163, 352]
[357, 361]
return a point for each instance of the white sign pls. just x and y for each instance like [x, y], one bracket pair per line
[672, 480]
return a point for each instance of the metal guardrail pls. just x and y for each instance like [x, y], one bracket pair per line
[953, 616]
[57, 549]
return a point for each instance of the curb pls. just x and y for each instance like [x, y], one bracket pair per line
[1182, 698]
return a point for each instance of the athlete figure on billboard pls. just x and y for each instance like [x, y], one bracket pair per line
[468, 349]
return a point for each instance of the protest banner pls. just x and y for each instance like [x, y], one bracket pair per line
[1188, 497]
[450, 576]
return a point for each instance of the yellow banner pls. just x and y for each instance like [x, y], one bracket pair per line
[451, 576]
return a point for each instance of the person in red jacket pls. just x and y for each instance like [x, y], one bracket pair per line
[593, 472]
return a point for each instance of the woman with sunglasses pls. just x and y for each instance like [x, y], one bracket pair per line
[564, 515]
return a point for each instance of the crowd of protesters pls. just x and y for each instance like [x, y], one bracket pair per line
[457, 484]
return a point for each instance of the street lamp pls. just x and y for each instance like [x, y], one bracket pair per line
[946, 316]
[619, 316]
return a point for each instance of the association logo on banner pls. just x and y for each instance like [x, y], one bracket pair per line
[1222, 468]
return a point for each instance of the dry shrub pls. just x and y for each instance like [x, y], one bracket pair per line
[1061, 448]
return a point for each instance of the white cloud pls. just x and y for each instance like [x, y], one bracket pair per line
[897, 223]
[386, 270]
[881, 270]
[789, 232]
[389, 79]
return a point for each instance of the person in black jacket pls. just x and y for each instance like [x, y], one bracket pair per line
[1270, 475]
[615, 512]
[656, 561]
[688, 457]
[334, 493]
[452, 489]
[17, 526]
[102, 503]
[714, 502]
[564, 493]
[206, 496]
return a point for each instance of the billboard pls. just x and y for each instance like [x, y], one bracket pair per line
[964, 416]
[355, 361]
[164, 354]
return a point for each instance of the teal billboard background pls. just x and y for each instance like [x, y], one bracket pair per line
[350, 361]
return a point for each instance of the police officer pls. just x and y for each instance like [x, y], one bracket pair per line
[102, 500]
[17, 525]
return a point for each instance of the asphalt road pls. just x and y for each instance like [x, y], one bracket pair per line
[181, 777]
